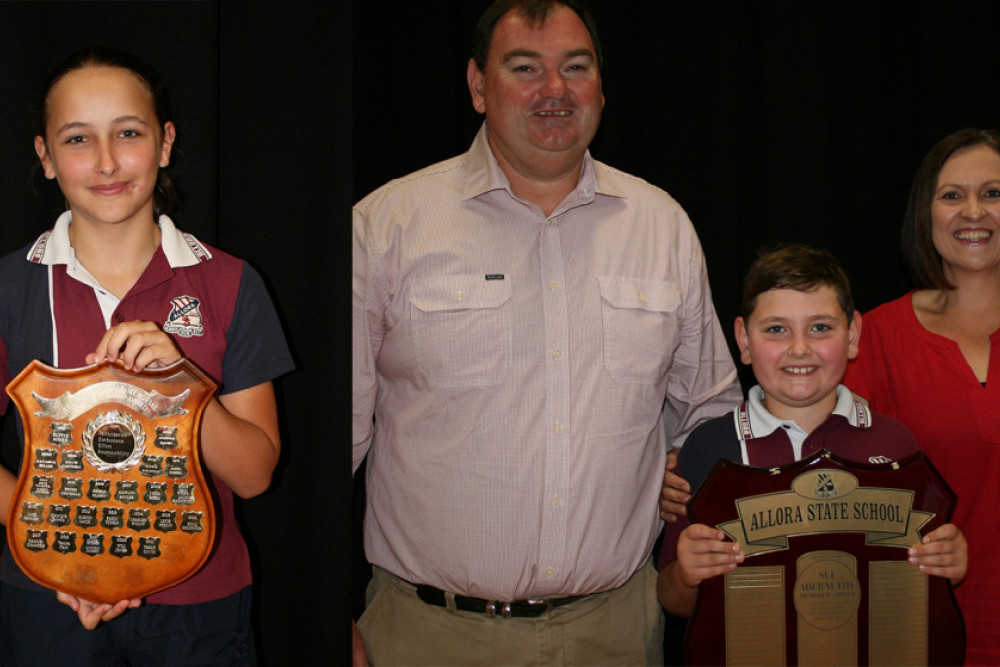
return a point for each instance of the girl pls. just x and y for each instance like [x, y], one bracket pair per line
[105, 283]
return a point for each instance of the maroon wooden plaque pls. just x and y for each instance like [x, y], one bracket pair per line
[826, 578]
[111, 502]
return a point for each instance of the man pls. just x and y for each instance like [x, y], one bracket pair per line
[530, 328]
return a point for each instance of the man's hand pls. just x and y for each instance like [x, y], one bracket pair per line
[359, 657]
[943, 553]
[675, 491]
[92, 613]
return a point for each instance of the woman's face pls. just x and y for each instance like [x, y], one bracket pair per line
[104, 144]
[965, 211]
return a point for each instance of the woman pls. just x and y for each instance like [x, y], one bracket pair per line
[931, 358]
[101, 285]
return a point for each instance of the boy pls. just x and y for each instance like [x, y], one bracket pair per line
[798, 330]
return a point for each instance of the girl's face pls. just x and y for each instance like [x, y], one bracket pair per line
[104, 145]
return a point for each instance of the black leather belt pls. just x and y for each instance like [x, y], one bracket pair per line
[514, 608]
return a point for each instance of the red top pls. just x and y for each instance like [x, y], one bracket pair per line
[923, 380]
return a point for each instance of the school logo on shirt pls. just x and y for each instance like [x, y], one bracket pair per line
[185, 317]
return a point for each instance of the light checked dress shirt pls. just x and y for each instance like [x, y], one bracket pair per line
[526, 374]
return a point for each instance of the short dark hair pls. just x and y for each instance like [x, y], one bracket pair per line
[922, 258]
[165, 195]
[799, 267]
[535, 11]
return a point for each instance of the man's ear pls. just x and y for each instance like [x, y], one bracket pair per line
[477, 87]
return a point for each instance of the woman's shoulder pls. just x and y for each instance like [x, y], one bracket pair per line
[892, 316]
[891, 309]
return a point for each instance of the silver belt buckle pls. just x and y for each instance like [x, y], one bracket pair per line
[540, 601]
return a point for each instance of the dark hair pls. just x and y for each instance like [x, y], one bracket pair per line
[922, 258]
[165, 195]
[535, 11]
[799, 267]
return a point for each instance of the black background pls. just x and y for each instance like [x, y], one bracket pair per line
[767, 120]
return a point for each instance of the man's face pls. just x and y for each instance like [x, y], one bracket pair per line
[541, 93]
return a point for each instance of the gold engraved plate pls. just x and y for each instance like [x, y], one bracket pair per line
[827, 595]
[94, 442]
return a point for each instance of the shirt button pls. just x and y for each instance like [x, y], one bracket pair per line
[119, 317]
[553, 285]
[556, 354]
[459, 295]
[549, 571]
[558, 427]
[555, 501]
[642, 298]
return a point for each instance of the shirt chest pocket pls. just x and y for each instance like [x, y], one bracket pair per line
[461, 329]
[641, 328]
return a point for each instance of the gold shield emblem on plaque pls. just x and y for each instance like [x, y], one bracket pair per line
[111, 502]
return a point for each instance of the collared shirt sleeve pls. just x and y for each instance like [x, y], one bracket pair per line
[367, 328]
[703, 382]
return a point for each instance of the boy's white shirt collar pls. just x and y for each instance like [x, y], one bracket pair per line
[761, 423]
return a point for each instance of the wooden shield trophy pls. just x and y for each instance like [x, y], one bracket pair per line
[111, 502]
[826, 579]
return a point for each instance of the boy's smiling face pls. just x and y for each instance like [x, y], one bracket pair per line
[799, 344]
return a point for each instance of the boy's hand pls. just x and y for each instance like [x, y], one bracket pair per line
[943, 553]
[675, 491]
[704, 552]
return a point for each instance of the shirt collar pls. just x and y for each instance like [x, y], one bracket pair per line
[756, 422]
[483, 174]
[54, 247]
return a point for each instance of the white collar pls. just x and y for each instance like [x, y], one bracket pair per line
[54, 247]
[754, 421]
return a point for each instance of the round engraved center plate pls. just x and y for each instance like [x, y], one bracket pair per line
[113, 441]
[827, 595]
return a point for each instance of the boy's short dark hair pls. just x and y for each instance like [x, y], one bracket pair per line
[799, 267]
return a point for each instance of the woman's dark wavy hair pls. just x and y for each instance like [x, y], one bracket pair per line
[165, 196]
[922, 258]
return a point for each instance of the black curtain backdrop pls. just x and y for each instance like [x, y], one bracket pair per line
[262, 100]
[768, 120]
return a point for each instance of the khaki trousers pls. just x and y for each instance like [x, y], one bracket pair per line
[619, 627]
